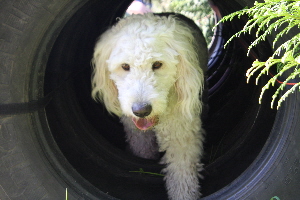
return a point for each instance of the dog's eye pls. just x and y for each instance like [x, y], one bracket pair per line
[126, 67]
[156, 65]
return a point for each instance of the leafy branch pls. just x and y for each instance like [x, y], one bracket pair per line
[150, 173]
[273, 16]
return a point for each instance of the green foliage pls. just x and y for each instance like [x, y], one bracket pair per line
[197, 10]
[275, 198]
[273, 17]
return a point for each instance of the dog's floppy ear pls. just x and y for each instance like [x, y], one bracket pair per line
[190, 75]
[103, 88]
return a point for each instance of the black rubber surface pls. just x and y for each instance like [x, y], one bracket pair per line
[53, 136]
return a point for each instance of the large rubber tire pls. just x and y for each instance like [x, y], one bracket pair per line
[53, 136]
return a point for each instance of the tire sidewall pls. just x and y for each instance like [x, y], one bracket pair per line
[28, 33]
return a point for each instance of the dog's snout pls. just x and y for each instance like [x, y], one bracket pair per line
[141, 109]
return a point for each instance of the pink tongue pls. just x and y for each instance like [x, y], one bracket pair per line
[143, 124]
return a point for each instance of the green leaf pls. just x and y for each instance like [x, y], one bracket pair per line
[297, 59]
[287, 56]
[267, 18]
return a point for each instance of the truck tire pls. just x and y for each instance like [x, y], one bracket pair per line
[54, 137]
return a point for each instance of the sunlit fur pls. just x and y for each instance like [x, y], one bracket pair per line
[174, 91]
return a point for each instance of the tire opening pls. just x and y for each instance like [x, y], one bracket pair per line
[93, 141]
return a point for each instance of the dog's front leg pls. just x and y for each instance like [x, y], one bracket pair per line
[182, 159]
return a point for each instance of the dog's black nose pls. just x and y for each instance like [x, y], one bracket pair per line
[141, 109]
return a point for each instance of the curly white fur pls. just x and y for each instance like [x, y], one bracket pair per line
[172, 91]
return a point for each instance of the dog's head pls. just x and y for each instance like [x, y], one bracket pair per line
[145, 66]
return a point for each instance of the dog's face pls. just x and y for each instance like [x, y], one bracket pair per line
[147, 66]
[144, 70]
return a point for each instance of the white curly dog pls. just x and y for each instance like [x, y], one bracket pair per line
[149, 70]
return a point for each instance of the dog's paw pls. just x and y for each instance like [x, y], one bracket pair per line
[182, 183]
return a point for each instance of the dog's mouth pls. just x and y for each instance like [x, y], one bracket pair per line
[145, 123]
